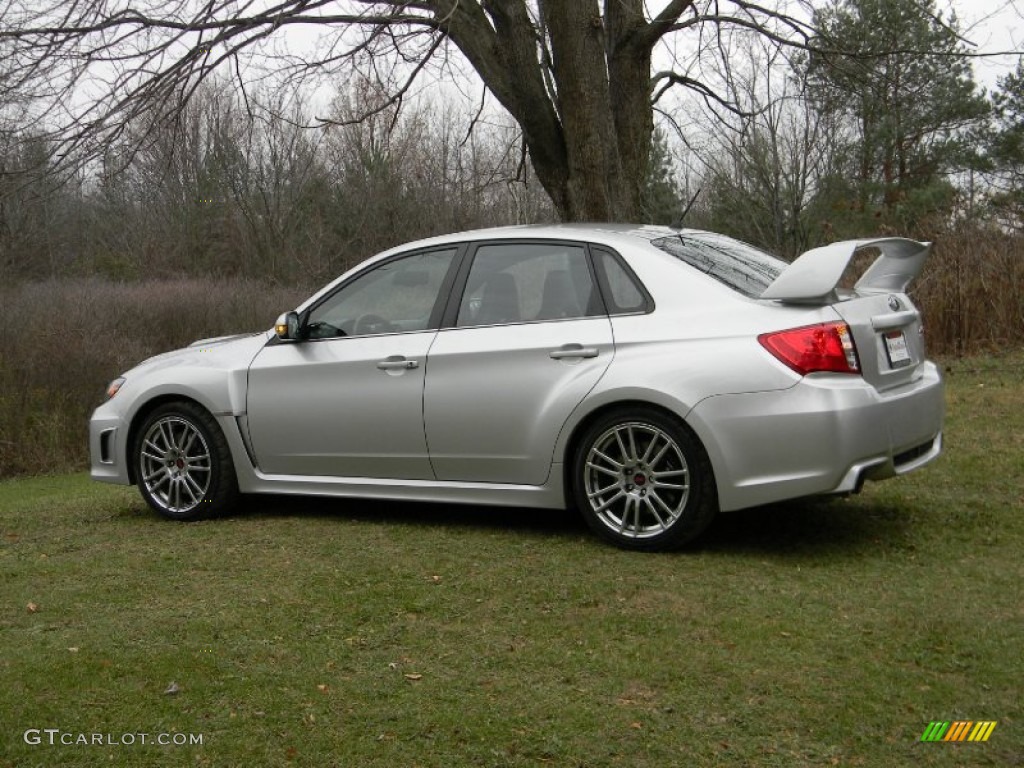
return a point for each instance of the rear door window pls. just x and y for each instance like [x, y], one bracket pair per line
[623, 293]
[528, 282]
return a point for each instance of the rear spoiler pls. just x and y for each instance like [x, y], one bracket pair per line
[813, 277]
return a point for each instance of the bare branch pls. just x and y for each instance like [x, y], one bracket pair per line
[396, 98]
[663, 22]
[667, 79]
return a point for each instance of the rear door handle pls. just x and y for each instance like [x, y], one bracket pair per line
[397, 363]
[572, 350]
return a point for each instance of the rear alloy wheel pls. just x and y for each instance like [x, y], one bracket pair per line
[643, 481]
[183, 464]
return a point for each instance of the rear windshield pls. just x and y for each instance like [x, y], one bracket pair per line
[742, 267]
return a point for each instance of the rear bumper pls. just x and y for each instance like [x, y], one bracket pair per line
[826, 434]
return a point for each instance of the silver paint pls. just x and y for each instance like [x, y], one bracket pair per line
[487, 414]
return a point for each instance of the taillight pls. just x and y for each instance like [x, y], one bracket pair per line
[824, 347]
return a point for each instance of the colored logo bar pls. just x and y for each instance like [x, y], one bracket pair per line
[959, 730]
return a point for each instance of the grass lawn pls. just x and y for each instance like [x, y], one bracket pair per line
[341, 633]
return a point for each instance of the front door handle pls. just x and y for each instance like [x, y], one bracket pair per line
[397, 363]
[572, 351]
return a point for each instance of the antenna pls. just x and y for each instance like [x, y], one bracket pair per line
[686, 210]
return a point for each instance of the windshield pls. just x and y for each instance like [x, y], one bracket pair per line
[742, 267]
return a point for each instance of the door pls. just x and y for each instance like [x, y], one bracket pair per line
[348, 400]
[530, 340]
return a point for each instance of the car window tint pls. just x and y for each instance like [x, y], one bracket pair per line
[514, 283]
[742, 267]
[394, 297]
[626, 295]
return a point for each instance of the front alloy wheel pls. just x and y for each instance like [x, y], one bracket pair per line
[643, 481]
[183, 463]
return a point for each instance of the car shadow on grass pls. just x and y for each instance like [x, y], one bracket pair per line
[541, 522]
[834, 526]
[809, 527]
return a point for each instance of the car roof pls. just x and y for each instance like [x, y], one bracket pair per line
[615, 236]
[601, 233]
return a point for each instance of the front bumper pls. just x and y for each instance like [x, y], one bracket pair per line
[827, 434]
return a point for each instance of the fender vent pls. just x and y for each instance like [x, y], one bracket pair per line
[107, 446]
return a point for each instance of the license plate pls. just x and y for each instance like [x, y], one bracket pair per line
[896, 349]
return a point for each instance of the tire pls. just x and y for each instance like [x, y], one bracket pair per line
[643, 481]
[183, 464]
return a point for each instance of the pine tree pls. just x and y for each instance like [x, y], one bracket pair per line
[1006, 148]
[660, 197]
[899, 75]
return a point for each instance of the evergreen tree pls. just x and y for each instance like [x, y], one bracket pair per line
[898, 73]
[660, 197]
[1006, 148]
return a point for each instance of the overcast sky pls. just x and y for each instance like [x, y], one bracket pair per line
[992, 25]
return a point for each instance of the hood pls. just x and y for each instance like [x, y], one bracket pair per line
[219, 352]
[219, 340]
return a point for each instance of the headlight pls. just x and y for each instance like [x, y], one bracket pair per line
[114, 386]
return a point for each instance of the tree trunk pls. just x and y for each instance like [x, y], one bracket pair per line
[588, 126]
[595, 186]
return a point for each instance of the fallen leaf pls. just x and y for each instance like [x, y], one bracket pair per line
[637, 726]
[322, 688]
[172, 689]
[32, 608]
[413, 676]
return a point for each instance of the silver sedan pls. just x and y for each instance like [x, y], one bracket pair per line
[651, 377]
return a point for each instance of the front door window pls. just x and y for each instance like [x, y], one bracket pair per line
[397, 296]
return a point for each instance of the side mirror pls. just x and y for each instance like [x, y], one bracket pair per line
[287, 326]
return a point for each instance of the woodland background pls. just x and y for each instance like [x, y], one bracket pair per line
[220, 220]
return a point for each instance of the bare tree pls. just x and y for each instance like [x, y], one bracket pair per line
[767, 170]
[577, 76]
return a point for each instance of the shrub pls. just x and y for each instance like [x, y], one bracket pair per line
[66, 339]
